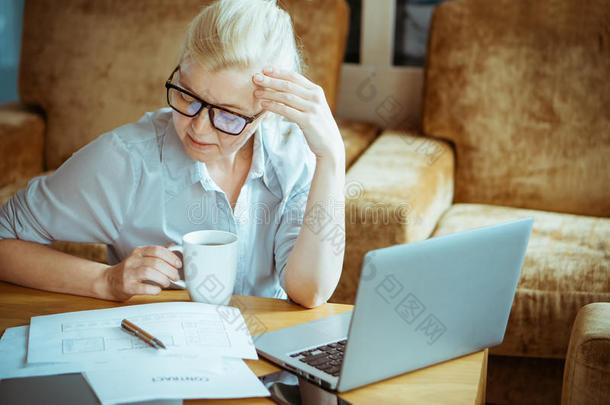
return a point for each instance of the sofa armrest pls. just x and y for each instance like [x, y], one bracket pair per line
[586, 377]
[21, 142]
[357, 137]
[395, 193]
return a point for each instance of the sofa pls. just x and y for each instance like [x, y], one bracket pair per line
[586, 377]
[515, 123]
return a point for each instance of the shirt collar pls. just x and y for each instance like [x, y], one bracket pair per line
[179, 166]
[257, 168]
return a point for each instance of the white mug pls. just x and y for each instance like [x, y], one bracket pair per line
[209, 259]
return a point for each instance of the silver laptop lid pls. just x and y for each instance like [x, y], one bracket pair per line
[426, 302]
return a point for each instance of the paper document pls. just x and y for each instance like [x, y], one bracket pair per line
[176, 381]
[186, 328]
[12, 357]
[149, 378]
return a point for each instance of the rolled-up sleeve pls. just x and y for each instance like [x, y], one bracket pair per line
[86, 200]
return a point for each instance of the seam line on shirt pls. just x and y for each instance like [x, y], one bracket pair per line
[136, 177]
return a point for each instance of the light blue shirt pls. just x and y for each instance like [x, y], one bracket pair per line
[136, 186]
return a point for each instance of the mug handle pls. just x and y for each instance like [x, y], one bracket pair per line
[180, 284]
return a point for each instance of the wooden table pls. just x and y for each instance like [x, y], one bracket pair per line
[458, 381]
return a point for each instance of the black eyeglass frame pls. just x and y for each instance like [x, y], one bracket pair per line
[204, 104]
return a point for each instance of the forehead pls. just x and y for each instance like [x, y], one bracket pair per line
[231, 88]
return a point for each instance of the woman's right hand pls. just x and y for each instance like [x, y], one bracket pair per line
[146, 270]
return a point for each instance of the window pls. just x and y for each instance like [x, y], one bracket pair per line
[352, 48]
[11, 20]
[411, 31]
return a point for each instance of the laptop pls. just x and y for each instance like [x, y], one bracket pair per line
[417, 304]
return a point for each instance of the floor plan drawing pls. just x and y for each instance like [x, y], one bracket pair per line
[187, 328]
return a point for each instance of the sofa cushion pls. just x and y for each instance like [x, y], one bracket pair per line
[357, 136]
[567, 265]
[95, 65]
[521, 87]
[394, 193]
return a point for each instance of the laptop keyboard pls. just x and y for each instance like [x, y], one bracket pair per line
[327, 358]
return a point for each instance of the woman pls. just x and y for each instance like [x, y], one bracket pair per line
[248, 145]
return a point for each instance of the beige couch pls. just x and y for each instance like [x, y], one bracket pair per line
[518, 94]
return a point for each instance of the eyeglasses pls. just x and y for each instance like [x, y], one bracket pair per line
[188, 104]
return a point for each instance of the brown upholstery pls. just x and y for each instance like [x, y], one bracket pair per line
[21, 142]
[566, 267]
[587, 371]
[321, 27]
[395, 193]
[93, 66]
[357, 137]
[7, 191]
[522, 89]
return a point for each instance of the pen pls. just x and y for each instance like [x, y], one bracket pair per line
[141, 334]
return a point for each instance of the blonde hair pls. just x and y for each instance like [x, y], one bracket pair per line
[242, 34]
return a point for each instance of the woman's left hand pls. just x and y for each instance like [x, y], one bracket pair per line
[293, 96]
